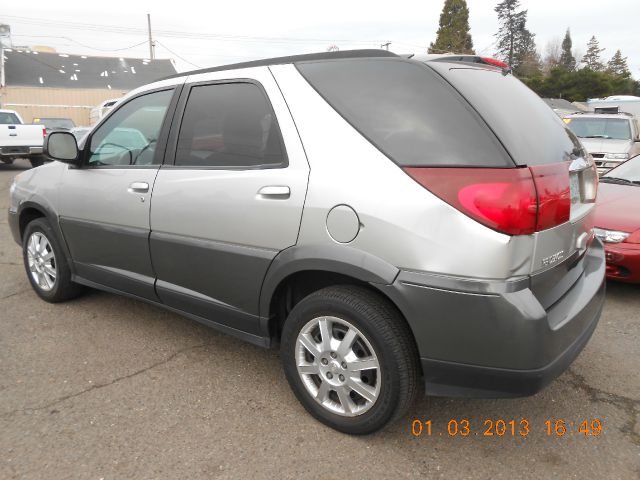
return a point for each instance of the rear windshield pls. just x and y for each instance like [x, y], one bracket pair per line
[407, 111]
[8, 118]
[531, 131]
[610, 128]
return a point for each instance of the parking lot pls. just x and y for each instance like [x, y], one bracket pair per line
[108, 387]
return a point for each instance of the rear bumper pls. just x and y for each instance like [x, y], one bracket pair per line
[19, 151]
[623, 262]
[502, 341]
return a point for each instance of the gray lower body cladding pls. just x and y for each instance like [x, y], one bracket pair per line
[509, 343]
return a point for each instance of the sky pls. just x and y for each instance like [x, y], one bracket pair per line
[207, 33]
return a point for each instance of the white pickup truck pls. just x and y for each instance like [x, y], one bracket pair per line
[20, 141]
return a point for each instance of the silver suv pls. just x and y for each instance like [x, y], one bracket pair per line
[384, 221]
[610, 138]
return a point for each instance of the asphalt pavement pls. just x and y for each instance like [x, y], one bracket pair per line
[104, 387]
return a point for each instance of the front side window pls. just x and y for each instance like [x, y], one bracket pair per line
[229, 125]
[129, 136]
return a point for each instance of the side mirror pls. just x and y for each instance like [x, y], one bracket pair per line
[62, 146]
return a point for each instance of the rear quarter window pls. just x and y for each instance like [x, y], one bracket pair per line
[531, 132]
[407, 111]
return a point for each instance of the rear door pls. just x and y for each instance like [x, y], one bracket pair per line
[229, 197]
[104, 205]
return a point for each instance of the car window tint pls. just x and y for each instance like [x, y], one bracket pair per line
[229, 125]
[405, 109]
[129, 136]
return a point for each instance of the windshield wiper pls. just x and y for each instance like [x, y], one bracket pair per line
[623, 181]
[596, 136]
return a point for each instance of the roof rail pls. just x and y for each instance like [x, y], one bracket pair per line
[366, 53]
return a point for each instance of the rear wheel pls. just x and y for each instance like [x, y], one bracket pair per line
[350, 359]
[46, 266]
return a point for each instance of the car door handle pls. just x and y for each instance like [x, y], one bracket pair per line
[281, 192]
[139, 187]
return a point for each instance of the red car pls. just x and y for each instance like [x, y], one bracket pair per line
[617, 220]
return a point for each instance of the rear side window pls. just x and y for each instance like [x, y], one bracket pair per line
[229, 125]
[531, 132]
[408, 111]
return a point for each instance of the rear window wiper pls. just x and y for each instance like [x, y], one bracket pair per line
[624, 181]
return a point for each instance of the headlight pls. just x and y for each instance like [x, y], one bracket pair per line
[610, 236]
[617, 156]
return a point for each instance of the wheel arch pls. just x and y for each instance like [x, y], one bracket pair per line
[300, 271]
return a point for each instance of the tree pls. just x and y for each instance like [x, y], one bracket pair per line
[552, 52]
[592, 58]
[453, 31]
[618, 66]
[567, 60]
[515, 43]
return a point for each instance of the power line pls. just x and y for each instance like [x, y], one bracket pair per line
[179, 34]
[83, 44]
[174, 53]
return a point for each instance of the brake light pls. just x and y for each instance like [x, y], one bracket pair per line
[494, 62]
[44, 132]
[633, 238]
[514, 201]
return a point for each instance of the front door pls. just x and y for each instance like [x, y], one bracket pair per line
[232, 199]
[104, 205]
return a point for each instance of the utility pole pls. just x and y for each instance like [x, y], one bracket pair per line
[152, 45]
[385, 45]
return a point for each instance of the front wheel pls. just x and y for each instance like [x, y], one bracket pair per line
[46, 266]
[350, 359]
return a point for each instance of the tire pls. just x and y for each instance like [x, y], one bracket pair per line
[36, 161]
[351, 401]
[42, 255]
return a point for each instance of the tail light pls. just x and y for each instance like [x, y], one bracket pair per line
[494, 62]
[514, 201]
[44, 132]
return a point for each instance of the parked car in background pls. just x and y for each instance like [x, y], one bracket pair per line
[378, 218]
[617, 220]
[80, 133]
[610, 138]
[54, 123]
[18, 140]
[99, 112]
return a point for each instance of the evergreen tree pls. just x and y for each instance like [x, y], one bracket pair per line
[618, 66]
[515, 43]
[567, 59]
[453, 31]
[592, 57]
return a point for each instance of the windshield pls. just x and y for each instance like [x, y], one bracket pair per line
[629, 171]
[55, 123]
[610, 128]
[8, 118]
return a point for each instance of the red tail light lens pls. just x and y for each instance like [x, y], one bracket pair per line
[44, 132]
[494, 62]
[554, 194]
[515, 201]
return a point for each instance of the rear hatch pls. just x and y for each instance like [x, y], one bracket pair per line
[536, 138]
